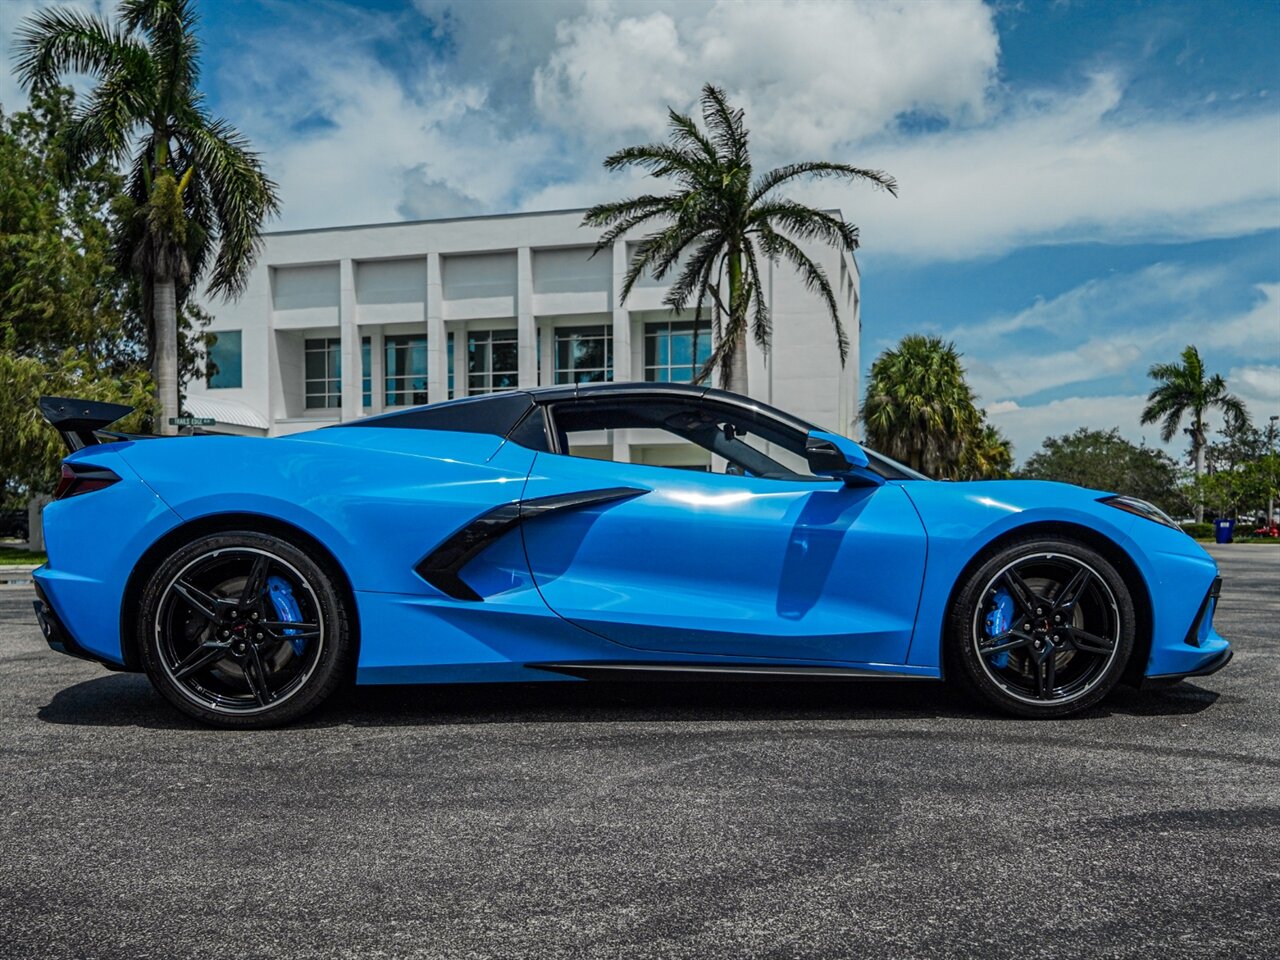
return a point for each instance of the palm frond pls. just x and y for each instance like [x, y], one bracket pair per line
[658, 159]
[106, 125]
[241, 194]
[815, 280]
[819, 169]
[694, 274]
[57, 40]
[761, 321]
[685, 133]
[806, 223]
[726, 125]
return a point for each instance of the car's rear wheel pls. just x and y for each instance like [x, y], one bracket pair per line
[1043, 628]
[243, 629]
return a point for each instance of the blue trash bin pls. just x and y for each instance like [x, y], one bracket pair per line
[1224, 530]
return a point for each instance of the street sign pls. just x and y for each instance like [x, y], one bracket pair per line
[192, 421]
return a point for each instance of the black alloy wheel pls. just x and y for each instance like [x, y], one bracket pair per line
[1042, 629]
[243, 629]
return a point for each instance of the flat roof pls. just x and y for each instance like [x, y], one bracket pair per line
[477, 216]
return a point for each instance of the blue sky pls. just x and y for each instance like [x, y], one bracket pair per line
[1085, 186]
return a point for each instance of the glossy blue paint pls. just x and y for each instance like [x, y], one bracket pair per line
[697, 568]
[731, 565]
[964, 518]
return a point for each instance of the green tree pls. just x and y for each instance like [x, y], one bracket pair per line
[919, 409]
[66, 318]
[719, 224]
[988, 455]
[198, 195]
[29, 450]
[58, 285]
[1187, 389]
[1104, 460]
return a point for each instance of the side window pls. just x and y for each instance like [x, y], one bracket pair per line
[531, 431]
[686, 435]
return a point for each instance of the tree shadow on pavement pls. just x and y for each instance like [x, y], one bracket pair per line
[128, 700]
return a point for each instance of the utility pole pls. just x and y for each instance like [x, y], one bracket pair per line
[1271, 448]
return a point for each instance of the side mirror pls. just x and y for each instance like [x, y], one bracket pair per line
[831, 455]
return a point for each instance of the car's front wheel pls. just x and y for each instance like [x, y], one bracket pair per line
[243, 629]
[1043, 628]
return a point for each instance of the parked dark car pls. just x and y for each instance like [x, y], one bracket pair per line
[13, 523]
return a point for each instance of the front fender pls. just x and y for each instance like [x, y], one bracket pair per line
[963, 519]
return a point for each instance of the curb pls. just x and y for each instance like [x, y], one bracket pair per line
[13, 574]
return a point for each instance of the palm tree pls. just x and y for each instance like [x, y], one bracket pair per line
[1185, 388]
[988, 454]
[198, 193]
[919, 408]
[723, 222]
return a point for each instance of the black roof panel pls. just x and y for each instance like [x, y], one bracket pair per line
[495, 413]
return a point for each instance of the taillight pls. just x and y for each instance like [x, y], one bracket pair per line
[82, 478]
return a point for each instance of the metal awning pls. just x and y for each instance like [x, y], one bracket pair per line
[231, 412]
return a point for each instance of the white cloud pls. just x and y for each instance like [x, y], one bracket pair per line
[12, 13]
[1112, 325]
[1007, 377]
[527, 98]
[812, 75]
[1065, 168]
[1259, 386]
[1027, 426]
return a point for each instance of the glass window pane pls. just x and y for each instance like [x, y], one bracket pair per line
[315, 362]
[225, 360]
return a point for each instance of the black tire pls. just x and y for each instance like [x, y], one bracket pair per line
[1069, 637]
[220, 641]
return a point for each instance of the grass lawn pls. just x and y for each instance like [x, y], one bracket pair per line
[12, 555]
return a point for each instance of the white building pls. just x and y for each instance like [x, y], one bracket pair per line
[346, 322]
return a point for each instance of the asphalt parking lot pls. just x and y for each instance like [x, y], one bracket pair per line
[620, 820]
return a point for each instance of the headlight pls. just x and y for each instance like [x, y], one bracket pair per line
[1142, 509]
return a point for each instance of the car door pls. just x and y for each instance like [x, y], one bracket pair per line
[689, 562]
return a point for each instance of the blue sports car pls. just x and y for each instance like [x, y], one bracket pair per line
[465, 541]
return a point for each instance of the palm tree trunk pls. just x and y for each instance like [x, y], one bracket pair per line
[164, 363]
[734, 377]
[1197, 451]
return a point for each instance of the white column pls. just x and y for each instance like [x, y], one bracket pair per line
[277, 406]
[621, 318]
[350, 346]
[526, 324]
[437, 337]
[377, 370]
[548, 370]
[621, 342]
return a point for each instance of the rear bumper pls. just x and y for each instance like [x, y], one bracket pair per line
[58, 636]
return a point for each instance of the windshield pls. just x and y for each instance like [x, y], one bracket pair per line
[891, 469]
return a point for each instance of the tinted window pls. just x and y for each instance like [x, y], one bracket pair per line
[497, 414]
[224, 360]
[745, 442]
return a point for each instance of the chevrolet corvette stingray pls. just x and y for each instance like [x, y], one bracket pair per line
[474, 541]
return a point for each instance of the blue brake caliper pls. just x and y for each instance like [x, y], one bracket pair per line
[998, 621]
[286, 606]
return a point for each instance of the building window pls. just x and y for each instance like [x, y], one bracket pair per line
[224, 360]
[324, 372]
[668, 350]
[406, 382]
[584, 354]
[366, 377]
[492, 361]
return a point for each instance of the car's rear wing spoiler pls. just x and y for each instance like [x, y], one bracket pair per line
[80, 421]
